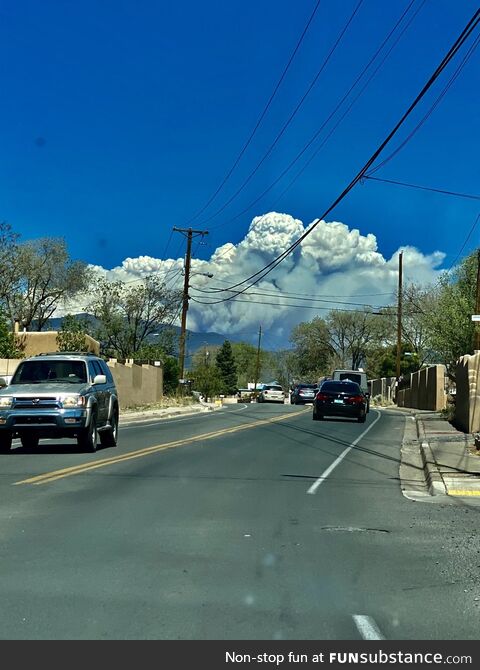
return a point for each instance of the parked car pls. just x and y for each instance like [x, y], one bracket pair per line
[340, 398]
[302, 393]
[59, 396]
[271, 393]
[357, 376]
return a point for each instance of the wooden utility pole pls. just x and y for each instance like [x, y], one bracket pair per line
[476, 338]
[189, 234]
[399, 315]
[257, 365]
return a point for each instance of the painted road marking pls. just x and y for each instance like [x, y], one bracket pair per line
[313, 489]
[48, 477]
[367, 627]
[460, 492]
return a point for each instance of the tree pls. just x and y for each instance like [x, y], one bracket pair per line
[312, 348]
[41, 277]
[8, 345]
[245, 356]
[8, 268]
[71, 336]
[207, 380]
[129, 315]
[227, 368]
[353, 334]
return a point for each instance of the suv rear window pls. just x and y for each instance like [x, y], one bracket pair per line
[340, 387]
[273, 388]
[351, 377]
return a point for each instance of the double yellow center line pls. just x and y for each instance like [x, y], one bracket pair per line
[49, 477]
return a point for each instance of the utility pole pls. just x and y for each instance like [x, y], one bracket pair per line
[257, 365]
[399, 315]
[189, 234]
[476, 341]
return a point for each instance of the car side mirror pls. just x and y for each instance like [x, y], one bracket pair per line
[3, 382]
[100, 379]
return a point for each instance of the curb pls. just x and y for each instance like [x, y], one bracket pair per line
[159, 415]
[433, 478]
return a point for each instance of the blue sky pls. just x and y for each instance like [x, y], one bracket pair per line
[119, 119]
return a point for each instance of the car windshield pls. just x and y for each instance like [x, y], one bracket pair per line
[340, 387]
[39, 372]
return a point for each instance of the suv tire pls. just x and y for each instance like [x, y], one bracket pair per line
[5, 442]
[87, 439]
[108, 438]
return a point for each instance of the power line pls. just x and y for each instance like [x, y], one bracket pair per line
[466, 32]
[261, 117]
[445, 90]
[276, 304]
[289, 120]
[465, 242]
[284, 295]
[332, 114]
[424, 188]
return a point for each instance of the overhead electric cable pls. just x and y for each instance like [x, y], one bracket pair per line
[442, 94]
[334, 111]
[424, 188]
[464, 35]
[260, 118]
[465, 242]
[288, 121]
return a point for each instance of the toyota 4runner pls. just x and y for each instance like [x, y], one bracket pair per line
[59, 395]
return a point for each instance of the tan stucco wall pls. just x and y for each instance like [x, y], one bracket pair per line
[35, 343]
[427, 390]
[137, 384]
[8, 366]
[467, 403]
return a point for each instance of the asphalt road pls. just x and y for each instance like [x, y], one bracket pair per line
[253, 522]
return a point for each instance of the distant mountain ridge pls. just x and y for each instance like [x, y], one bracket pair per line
[195, 341]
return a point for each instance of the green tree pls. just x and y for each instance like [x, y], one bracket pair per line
[129, 315]
[207, 380]
[245, 356]
[41, 277]
[71, 336]
[227, 367]
[354, 334]
[8, 346]
[312, 349]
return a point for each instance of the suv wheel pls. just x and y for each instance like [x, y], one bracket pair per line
[87, 439]
[108, 438]
[5, 442]
[29, 441]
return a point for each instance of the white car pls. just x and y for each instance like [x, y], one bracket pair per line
[271, 393]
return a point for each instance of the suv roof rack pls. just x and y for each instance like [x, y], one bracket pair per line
[67, 353]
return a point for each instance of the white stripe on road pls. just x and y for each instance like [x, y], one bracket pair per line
[367, 627]
[331, 468]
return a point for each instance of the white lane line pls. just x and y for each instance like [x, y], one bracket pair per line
[313, 489]
[367, 627]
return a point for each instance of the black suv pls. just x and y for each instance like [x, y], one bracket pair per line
[60, 395]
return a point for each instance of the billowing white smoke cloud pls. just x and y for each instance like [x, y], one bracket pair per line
[334, 263]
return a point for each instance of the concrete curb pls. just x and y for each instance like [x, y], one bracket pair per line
[433, 478]
[167, 413]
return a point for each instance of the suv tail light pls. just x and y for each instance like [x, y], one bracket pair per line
[322, 396]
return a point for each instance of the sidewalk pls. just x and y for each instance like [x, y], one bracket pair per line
[444, 458]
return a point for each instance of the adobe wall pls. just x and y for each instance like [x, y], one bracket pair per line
[467, 403]
[137, 384]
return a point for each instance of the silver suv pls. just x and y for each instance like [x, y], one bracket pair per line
[59, 395]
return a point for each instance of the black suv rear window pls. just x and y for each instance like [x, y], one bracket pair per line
[340, 387]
